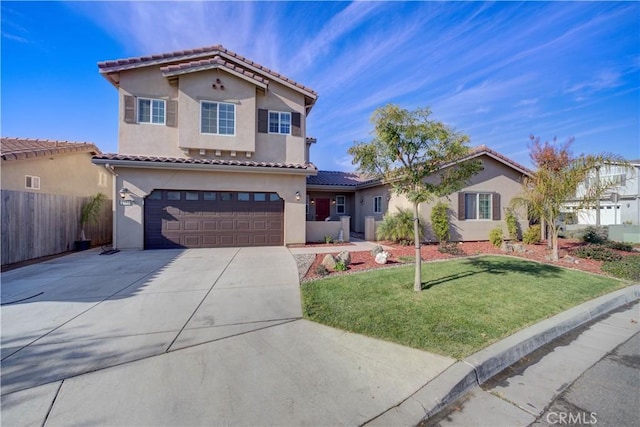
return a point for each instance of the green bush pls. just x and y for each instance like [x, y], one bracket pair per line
[532, 235]
[398, 227]
[626, 268]
[495, 236]
[328, 239]
[440, 222]
[593, 234]
[341, 266]
[512, 224]
[596, 252]
[620, 246]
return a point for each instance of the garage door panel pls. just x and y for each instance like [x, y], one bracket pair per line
[185, 218]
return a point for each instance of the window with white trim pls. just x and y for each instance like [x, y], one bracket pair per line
[341, 203]
[32, 182]
[102, 179]
[151, 111]
[377, 204]
[280, 122]
[478, 205]
[217, 118]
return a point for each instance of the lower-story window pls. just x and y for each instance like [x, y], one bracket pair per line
[477, 205]
[377, 204]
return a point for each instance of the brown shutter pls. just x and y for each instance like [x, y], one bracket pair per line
[496, 206]
[263, 121]
[461, 206]
[172, 113]
[296, 129]
[129, 109]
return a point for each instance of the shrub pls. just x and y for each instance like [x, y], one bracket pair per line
[593, 234]
[627, 247]
[495, 236]
[440, 222]
[450, 248]
[321, 270]
[328, 239]
[512, 224]
[532, 235]
[626, 268]
[341, 265]
[596, 252]
[398, 227]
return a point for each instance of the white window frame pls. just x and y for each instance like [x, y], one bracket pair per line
[151, 102]
[477, 213]
[102, 179]
[217, 132]
[341, 207]
[32, 182]
[377, 205]
[280, 115]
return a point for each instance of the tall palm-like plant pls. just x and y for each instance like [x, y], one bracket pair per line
[91, 212]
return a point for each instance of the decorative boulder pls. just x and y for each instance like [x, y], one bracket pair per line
[345, 257]
[381, 258]
[376, 250]
[329, 262]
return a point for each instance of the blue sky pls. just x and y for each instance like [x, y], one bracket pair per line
[498, 72]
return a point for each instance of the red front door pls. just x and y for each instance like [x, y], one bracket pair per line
[323, 209]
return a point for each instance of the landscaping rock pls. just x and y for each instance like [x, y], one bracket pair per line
[381, 258]
[329, 262]
[345, 257]
[376, 250]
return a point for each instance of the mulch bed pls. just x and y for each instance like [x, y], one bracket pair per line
[362, 261]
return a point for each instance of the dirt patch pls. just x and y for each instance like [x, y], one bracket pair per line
[398, 255]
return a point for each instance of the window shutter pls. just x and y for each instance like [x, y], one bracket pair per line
[172, 113]
[496, 206]
[296, 129]
[129, 109]
[263, 121]
[461, 206]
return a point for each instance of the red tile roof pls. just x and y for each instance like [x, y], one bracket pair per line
[205, 64]
[188, 55]
[197, 161]
[26, 148]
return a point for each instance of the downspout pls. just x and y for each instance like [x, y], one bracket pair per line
[114, 175]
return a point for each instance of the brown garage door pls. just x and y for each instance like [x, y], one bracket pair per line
[209, 219]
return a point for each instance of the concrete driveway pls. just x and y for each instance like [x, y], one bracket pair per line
[187, 337]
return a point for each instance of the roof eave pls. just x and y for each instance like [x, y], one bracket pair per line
[138, 164]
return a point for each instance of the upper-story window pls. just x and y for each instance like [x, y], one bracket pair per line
[280, 122]
[218, 118]
[151, 111]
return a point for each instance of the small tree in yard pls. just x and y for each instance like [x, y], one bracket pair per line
[556, 179]
[407, 148]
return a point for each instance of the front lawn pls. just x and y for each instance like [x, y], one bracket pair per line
[467, 303]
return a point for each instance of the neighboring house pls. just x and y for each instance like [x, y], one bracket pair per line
[44, 184]
[212, 151]
[619, 205]
[474, 211]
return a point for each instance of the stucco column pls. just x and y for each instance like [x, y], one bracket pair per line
[369, 228]
[345, 224]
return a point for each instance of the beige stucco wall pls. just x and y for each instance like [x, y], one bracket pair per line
[185, 140]
[364, 205]
[67, 173]
[129, 220]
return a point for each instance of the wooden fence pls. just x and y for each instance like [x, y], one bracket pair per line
[36, 225]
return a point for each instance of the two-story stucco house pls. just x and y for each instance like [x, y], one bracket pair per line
[212, 151]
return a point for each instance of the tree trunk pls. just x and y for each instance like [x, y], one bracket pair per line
[417, 283]
[554, 238]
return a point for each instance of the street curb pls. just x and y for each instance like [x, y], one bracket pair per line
[474, 370]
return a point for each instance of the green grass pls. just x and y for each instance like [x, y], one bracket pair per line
[466, 304]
